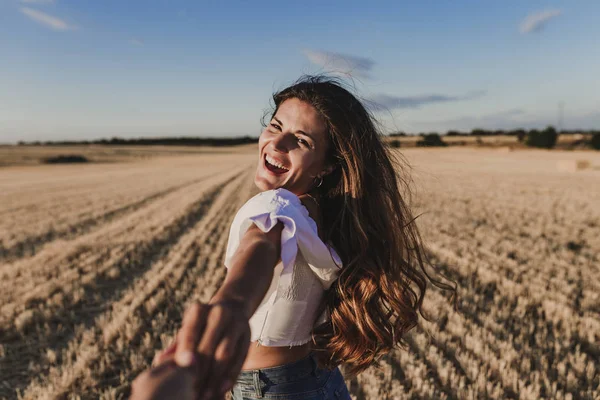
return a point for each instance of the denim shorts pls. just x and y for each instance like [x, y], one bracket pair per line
[301, 379]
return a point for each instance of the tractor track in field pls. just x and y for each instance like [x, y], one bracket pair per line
[49, 323]
[148, 306]
[32, 244]
[45, 275]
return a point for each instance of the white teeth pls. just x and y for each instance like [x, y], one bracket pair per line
[275, 163]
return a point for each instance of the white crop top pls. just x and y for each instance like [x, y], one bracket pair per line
[288, 312]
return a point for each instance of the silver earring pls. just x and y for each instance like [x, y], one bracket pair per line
[320, 181]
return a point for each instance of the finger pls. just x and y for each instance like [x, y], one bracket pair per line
[224, 353]
[191, 330]
[172, 347]
[216, 323]
[163, 357]
[156, 360]
[235, 365]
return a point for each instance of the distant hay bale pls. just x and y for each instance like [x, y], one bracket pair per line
[65, 159]
[572, 165]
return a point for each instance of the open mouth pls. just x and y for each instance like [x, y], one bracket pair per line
[274, 166]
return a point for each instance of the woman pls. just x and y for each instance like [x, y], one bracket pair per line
[325, 265]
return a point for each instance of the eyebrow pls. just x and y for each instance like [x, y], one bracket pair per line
[299, 131]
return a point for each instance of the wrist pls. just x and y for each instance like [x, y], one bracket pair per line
[235, 303]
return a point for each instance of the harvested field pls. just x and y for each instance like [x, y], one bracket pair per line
[98, 261]
[11, 155]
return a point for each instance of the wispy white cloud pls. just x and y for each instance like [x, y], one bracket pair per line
[341, 63]
[37, 1]
[383, 101]
[135, 42]
[537, 21]
[47, 20]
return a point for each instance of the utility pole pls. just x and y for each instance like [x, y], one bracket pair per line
[561, 112]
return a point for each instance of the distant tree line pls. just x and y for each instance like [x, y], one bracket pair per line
[164, 141]
[486, 132]
[595, 142]
[431, 140]
[545, 138]
[65, 159]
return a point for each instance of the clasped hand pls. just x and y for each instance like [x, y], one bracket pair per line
[204, 360]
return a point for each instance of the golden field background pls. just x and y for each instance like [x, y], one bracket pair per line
[98, 260]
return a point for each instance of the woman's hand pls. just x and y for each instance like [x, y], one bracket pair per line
[219, 335]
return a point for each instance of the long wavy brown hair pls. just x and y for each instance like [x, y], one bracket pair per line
[381, 287]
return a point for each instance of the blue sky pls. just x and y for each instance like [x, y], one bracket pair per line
[93, 69]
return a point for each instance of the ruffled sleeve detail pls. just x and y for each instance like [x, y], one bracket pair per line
[299, 234]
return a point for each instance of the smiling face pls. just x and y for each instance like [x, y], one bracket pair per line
[292, 149]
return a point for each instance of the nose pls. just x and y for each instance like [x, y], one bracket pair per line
[281, 142]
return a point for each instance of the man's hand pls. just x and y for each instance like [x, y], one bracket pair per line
[218, 333]
[166, 381]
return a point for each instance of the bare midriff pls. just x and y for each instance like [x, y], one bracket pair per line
[267, 356]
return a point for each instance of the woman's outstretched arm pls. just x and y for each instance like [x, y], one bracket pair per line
[214, 338]
[251, 272]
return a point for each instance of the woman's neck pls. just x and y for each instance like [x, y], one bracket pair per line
[314, 210]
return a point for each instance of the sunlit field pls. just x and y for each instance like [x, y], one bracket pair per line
[98, 261]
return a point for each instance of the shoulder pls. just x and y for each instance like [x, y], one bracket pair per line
[271, 205]
[276, 200]
[280, 204]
